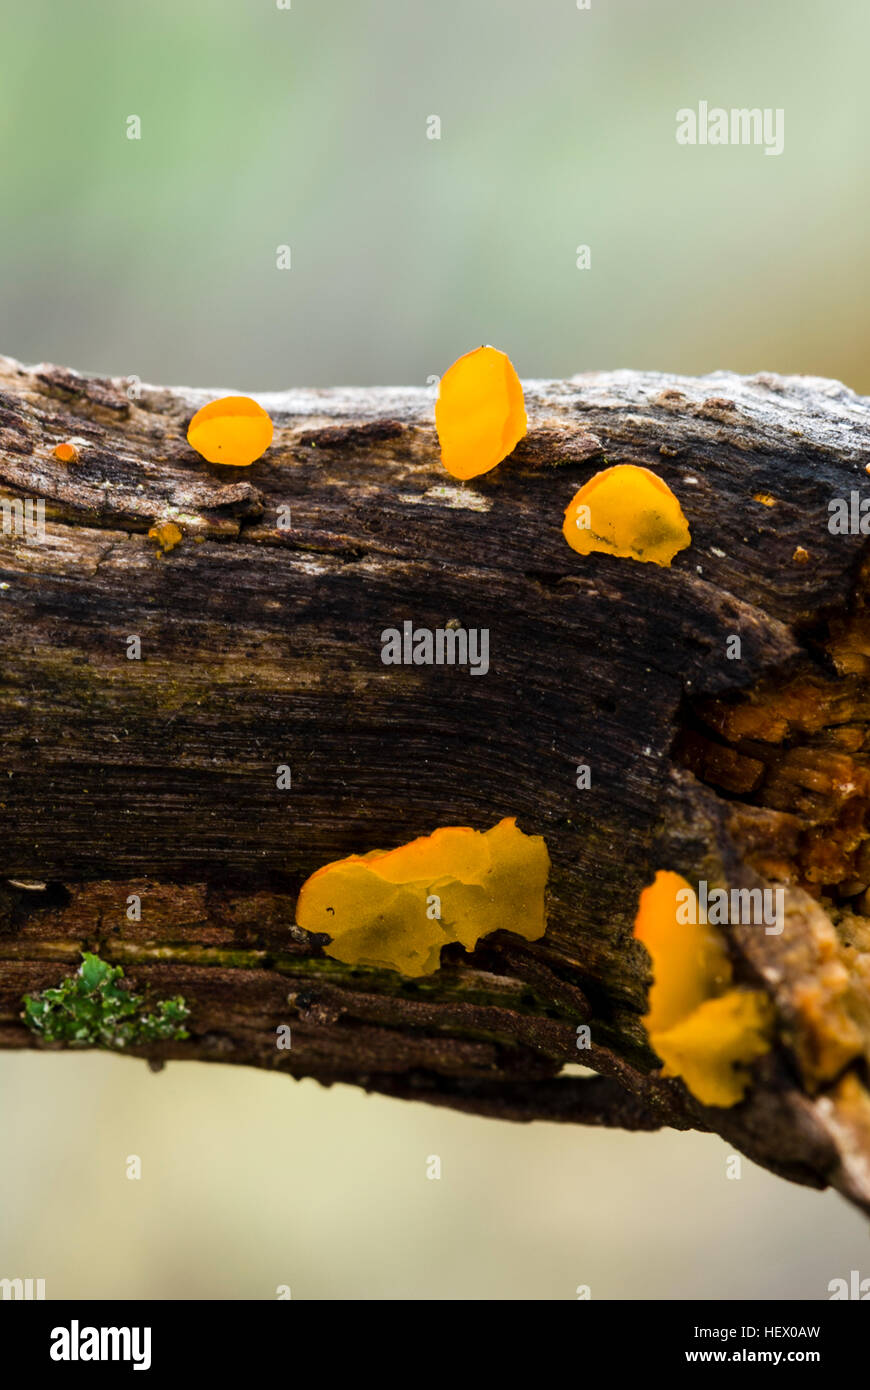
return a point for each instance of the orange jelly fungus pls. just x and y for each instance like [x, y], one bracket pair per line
[167, 535]
[627, 511]
[480, 414]
[395, 909]
[66, 453]
[704, 1029]
[233, 430]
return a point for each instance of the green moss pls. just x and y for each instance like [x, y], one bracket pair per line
[89, 1009]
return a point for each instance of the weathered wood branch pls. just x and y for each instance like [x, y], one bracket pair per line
[261, 646]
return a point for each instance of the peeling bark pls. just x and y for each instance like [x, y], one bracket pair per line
[261, 646]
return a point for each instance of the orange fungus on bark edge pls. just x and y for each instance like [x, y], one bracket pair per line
[480, 414]
[705, 1029]
[233, 430]
[629, 512]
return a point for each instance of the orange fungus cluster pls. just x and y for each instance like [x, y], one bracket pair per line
[233, 430]
[395, 909]
[480, 414]
[627, 511]
[704, 1028]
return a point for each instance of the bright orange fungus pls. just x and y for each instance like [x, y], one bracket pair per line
[480, 414]
[627, 511]
[704, 1028]
[233, 430]
[395, 909]
[66, 453]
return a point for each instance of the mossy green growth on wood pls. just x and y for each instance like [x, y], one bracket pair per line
[89, 1009]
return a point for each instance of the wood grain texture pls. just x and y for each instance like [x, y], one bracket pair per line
[261, 646]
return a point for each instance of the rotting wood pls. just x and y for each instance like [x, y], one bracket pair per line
[261, 647]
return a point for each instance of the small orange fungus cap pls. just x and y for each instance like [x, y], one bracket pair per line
[233, 430]
[167, 535]
[480, 414]
[395, 909]
[66, 453]
[704, 1028]
[627, 511]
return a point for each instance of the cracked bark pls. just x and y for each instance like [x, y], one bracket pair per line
[261, 646]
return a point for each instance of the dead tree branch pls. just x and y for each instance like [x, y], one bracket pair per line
[260, 647]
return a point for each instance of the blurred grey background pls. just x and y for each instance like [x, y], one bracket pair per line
[306, 128]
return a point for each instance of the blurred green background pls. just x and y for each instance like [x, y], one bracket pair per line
[306, 127]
